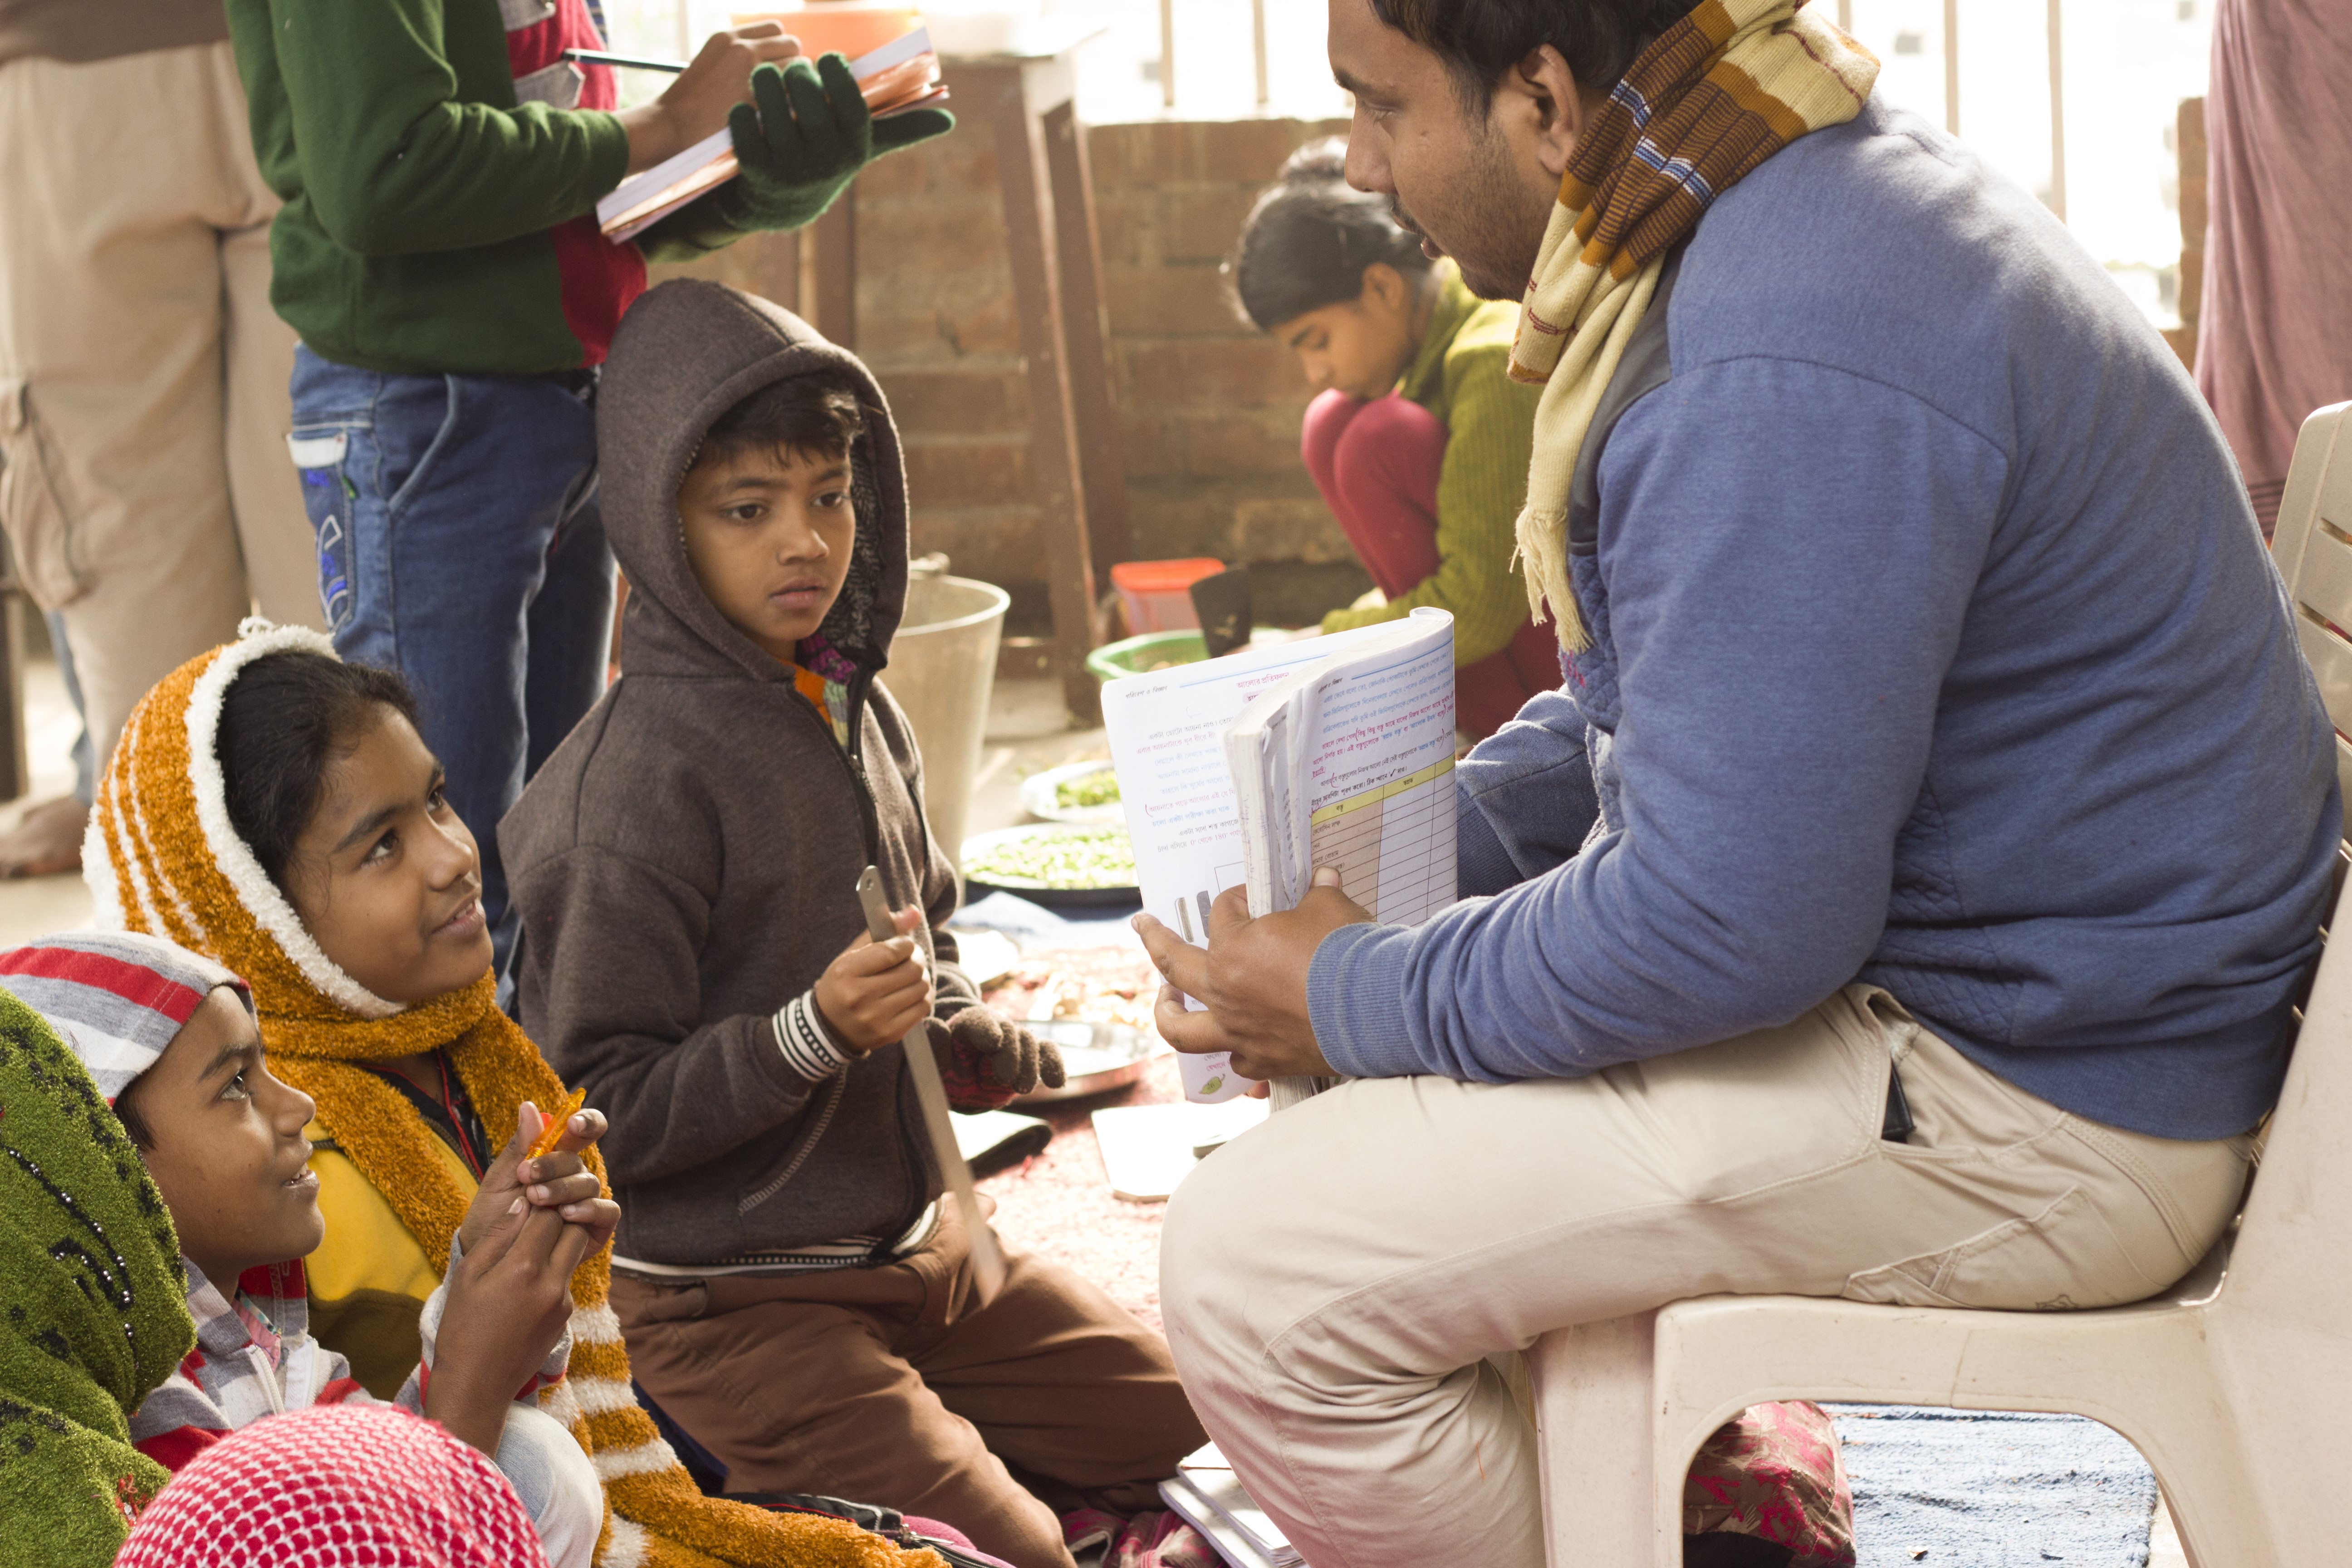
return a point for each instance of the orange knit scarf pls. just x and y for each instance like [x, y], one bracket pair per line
[162, 857]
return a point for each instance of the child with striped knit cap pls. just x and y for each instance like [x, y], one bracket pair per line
[169, 1038]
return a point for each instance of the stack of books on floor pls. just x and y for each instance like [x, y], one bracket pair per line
[1210, 1498]
[901, 75]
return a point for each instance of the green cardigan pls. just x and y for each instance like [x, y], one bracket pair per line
[420, 194]
[1462, 374]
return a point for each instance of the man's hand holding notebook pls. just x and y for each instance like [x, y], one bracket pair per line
[803, 138]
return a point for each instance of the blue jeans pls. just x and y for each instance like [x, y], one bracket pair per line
[85, 762]
[460, 543]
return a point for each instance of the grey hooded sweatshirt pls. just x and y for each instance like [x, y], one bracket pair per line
[686, 862]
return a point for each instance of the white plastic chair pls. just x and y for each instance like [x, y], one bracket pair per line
[2235, 1385]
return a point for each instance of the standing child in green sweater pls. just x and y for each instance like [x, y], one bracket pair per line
[439, 254]
[1419, 438]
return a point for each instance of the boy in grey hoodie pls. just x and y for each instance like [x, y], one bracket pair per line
[693, 955]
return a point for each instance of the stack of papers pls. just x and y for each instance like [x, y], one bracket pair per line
[1259, 768]
[1210, 1498]
[901, 75]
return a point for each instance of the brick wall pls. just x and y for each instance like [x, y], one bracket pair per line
[1209, 407]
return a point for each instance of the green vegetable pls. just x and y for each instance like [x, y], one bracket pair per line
[1093, 789]
[1069, 858]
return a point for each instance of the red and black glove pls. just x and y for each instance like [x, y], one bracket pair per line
[989, 1059]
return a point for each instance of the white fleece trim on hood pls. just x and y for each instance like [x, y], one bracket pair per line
[97, 871]
[255, 891]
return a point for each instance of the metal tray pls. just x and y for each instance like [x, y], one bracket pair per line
[1098, 1057]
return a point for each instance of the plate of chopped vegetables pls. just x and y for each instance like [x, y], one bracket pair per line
[1082, 792]
[1053, 863]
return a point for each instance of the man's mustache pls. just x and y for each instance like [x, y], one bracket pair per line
[1403, 218]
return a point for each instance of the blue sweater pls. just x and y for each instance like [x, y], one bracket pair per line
[1935, 646]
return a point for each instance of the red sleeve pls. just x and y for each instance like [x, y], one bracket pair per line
[174, 1448]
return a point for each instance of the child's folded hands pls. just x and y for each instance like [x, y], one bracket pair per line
[557, 1181]
[876, 992]
[987, 1059]
[509, 1302]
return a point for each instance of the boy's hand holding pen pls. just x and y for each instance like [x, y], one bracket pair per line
[800, 132]
[698, 103]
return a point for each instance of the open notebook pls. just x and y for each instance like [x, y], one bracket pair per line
[1256, 768]
[903, 74]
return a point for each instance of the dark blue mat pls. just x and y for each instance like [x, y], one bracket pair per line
[1960, 1488]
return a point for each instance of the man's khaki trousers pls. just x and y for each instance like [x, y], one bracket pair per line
[1333, 1279]
[143, 405]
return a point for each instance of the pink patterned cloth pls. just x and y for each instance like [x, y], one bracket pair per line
[2275, 336]
[1773, 1472]
[337, 1486]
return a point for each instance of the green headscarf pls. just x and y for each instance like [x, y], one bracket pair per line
[93, 1307]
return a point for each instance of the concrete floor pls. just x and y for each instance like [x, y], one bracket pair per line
[1027, 732]
[35, 906]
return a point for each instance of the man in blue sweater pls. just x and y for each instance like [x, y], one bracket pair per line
[1938, 736]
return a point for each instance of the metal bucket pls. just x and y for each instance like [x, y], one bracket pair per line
[943, 670]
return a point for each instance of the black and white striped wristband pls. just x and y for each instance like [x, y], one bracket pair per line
[807, 1048]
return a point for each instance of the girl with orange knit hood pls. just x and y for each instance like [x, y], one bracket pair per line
[275, 809]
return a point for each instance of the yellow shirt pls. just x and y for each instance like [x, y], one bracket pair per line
[370, 1277]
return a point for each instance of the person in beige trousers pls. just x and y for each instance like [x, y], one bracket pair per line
[1906, 895]
[144, 482]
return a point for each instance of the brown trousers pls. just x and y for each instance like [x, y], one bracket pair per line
[894, 1386]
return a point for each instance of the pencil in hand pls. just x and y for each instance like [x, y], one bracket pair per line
[551, 1131]
[629, 62]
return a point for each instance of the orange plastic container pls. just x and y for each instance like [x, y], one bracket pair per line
[853, 27]
[1156, 593]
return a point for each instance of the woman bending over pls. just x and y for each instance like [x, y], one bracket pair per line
[1418, 437]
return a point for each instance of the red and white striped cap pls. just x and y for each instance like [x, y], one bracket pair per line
[115, 997]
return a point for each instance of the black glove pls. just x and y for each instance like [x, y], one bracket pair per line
[1016, 1059]
[809, 135]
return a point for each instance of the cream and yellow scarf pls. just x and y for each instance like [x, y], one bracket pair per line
[1723, 89]
[162, 857]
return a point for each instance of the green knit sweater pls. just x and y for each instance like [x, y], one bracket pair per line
[1462, 374]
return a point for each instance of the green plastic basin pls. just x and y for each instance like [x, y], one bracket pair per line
[1137, 655]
